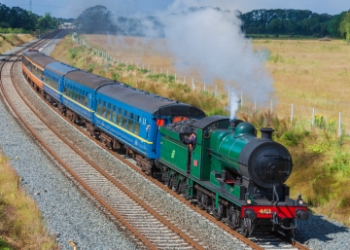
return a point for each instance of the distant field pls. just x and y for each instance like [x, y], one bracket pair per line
[307, 73]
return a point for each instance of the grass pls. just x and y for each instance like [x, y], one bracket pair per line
[21, 224]
[308, 73]
[10, 41]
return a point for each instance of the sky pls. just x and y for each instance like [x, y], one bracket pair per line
[72, 8]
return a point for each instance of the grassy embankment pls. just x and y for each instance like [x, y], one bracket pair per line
[21, 225]
[10, 41]
[307, 73]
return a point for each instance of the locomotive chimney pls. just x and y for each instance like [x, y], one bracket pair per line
[266, 133]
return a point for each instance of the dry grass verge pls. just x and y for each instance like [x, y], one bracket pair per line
[21, 224]
[10, 41]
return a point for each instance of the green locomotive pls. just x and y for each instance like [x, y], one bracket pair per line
[232, 174]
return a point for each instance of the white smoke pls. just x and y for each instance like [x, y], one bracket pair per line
[212, 41]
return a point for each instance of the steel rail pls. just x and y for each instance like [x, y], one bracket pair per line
[179, 197]
[77, 178]
[110, 178]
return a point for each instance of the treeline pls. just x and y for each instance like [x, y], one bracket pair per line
[99, 19]
[18, 20]
[292, 22]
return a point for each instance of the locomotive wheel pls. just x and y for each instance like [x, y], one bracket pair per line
[203, 201]
[219, 212]
[233, 217]
[246, 227]
[199, 199]
[181, 189]
[176, 186]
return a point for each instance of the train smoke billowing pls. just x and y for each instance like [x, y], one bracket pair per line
[210, 39]
[204, 35]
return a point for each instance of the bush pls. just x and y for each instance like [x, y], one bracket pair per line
[142, 71]
[115, 76]
[291, 138]
[341, 162]
[320, 121]
[130, 67]
[73, 52]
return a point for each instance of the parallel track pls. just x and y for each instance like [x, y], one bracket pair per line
[150, 227]
[261, 242]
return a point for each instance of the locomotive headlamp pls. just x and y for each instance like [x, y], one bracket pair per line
[249, 201]
[300, 200]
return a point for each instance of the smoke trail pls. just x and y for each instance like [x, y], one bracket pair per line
[211, 39]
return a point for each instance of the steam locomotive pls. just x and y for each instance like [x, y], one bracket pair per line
[228, 170]
[232, 174]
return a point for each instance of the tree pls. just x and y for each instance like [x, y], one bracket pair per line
[95, 19]
[46, 22]
[344, 27]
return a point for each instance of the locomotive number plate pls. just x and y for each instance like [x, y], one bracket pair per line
[265, 211]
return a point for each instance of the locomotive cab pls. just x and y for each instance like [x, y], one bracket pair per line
[233, 174]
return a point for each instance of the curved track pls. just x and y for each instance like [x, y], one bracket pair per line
[118, 199]
[149, 226]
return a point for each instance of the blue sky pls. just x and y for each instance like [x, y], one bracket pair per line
[72, 8]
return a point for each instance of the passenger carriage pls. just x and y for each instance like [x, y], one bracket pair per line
[134, 117]
[54, 74]
[33, 65]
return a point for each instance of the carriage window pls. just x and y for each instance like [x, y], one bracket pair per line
[108, 114]
[131, 122]
[114, 116]
[137, 128]
[104, 109]
[99, 107]
[137, 124]
[125, 119]
[119, 120]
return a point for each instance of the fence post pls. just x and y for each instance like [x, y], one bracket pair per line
[271, 109]
[292, 113]
[184, 79]
[193, 86]
[313, 117]
[216, 90]
[340, 125]
[255, 104]
[241, 99]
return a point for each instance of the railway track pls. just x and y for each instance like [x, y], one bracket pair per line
[117, 200]
[150, 227]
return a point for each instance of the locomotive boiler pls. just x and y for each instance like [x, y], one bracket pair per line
[233, 174]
